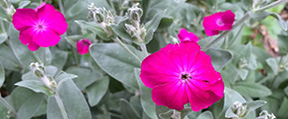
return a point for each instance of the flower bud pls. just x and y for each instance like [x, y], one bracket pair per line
[135, 13]
[265, 115]
[131, 30]
[239, 109]
[37, 69]
[242, 63]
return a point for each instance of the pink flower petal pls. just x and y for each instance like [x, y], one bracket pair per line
[46, 13]
[33, 46]
[46, 38]
[174, 97]
[40, 6]
[220, 21]
[200, 99]
[184, 35]
[58, 24]
[24, 18]
[83, 46]
[26, 36]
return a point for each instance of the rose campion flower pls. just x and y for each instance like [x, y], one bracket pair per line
[184, 35]
[83, 46]
[181, 73]
[41, 27]
[220, 21]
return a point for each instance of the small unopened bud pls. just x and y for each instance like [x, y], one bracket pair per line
[239, 109]
[37, 69]
[131, 30]
[135, 12]
[143, 32]
[265, 115]
[242, 63]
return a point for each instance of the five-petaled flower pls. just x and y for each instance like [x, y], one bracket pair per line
[181, 73]
[41, 27]
[220, 21]
[184, 35]
[83, 46]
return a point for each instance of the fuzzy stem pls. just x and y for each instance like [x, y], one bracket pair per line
[61, 106]
[274, 4]
[36, 57]
[61, 6]
[144, 49]
[126, 48]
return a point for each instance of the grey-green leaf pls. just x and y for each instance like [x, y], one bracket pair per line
[148, 105]
[252, 89]
[206, 115]
[152, 25]
[2, 75]
[35, 85]
[30, 107]
[117, 62]
[97, 90]
[73, 101]
[219, 57]
[272, 62]
[128, 112]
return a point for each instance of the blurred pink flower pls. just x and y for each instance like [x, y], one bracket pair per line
[83, 46]
[184, 35]
[41, 27]
[220, 21]
[181, 73]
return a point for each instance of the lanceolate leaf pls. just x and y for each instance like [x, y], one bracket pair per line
[117, 62]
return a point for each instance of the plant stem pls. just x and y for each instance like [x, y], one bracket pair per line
[61, 106]
[44, 56]
[75, 56]
[7, 105]
[36, 57]
[274, 4]
[144, 49]
[225, 33]
[61, 6]
[126, 48]
[281, 58]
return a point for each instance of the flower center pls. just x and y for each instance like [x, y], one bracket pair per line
[185, 76]
[220, 22]
[40, 27]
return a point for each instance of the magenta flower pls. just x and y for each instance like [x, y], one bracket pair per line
[83, 46]
[220, 21]
[181, 73]
[184, 35]
[41, 27]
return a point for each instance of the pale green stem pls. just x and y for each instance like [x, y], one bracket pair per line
[36, 57]
[2, 27]
[225, 33]
[126, 48]
[61, 106]
[61, 6]
[44, 56]
[274, 4]
[75, 56]
[7, 105]
[144, 49]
